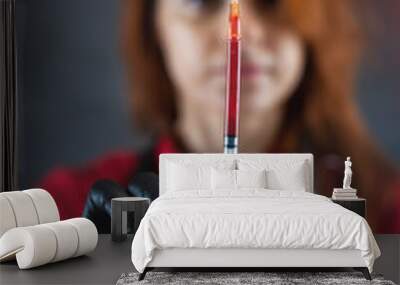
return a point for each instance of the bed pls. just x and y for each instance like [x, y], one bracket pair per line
[247, 211]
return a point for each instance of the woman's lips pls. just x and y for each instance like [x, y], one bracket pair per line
[252, 70]
[248, 71]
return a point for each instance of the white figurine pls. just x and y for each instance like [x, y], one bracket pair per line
[347, 174]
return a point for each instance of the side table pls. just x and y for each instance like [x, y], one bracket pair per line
[119, 210]
[357, 205]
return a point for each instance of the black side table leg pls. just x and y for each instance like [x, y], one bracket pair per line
[140, 210]
[116, 225]
[118, 222]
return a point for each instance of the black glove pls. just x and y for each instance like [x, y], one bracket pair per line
[98, 203]
[144, 184]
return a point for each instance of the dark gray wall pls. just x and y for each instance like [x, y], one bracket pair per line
[379, 84]
[71, 88]
[71, 83]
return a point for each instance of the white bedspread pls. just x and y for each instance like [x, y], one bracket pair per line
[250, 218]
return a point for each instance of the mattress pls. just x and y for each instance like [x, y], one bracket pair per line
[250, 219]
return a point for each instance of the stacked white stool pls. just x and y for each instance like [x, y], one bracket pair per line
[31, 231]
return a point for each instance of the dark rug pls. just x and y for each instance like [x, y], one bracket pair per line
[229, 278]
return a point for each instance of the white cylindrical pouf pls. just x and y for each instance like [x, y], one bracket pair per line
[23, 208]
[41, 244]
[67, 240]
[45, 205]
[87, 234]
[34, 246]
[7, 218]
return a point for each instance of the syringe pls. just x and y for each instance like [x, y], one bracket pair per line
[231, 130]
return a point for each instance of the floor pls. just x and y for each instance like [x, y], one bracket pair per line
[103, 266]
[110, 260]
[389, 262]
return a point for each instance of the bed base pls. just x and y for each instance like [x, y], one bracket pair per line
[240, 260]
[363, 270]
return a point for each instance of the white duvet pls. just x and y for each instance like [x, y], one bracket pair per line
[252, 218]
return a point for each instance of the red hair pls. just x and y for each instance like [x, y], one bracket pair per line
[322, 107]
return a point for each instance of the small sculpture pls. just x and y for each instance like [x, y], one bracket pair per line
[347, 174]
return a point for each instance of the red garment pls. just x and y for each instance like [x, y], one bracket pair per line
[69, 187]
[390, 218]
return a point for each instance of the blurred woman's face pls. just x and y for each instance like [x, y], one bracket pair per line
[193, 34]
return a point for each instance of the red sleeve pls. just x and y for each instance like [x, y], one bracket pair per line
[390, 219]
[69, 187]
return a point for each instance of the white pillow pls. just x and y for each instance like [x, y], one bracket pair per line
[187, 177]
[236, 179]
[281, 174]
[223, 179]
[251, 178]
[291, 179]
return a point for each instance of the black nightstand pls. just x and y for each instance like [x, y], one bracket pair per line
[357, 206]
[120, 207]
